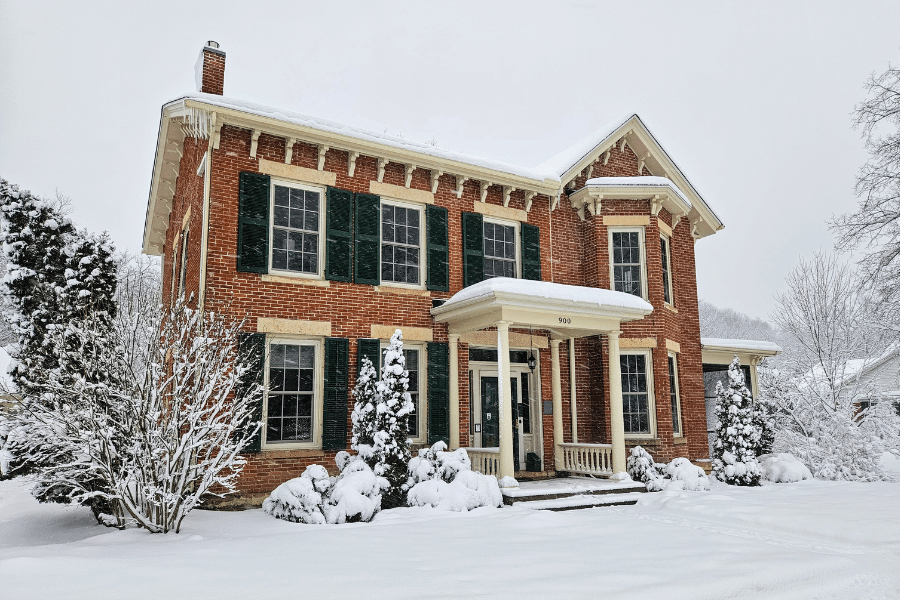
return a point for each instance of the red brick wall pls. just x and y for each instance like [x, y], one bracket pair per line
[573, 252]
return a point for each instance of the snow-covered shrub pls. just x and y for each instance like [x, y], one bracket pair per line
[315, 498]
[783, 468]
[737, 434]
[356, 494]
[508, 482]
[436, 463]
[467, 491]
[445, 480]
[685, 475]
[300, 500]
[641, 466]
[380, 419]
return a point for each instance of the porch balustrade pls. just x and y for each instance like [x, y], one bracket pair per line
[586, 459]
[485, 460]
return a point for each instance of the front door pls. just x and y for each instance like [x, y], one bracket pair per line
[490, 414]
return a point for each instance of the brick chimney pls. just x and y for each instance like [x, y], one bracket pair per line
[209, 72]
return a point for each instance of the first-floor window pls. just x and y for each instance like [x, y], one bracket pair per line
[290, 402]
[182, 279]
[499, 250]
[636, 397]
[673, 395]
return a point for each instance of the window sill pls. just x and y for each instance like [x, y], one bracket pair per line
[642, 441]
[274, 452]
[670, 307]
[296, 280]
[403, 291]
[679, 440]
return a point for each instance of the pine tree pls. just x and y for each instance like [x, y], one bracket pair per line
[737, 434]
[365, 398]
[390, 427]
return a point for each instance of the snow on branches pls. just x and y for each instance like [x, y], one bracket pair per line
[738, 436]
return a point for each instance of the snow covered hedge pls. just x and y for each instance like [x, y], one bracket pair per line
[446, 481]
[680, 474]
[316, 498]
[783, 468]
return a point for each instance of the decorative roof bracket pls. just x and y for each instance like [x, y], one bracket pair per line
[529, 197]
[289, 150]
[507, 191]
[460, 182]
[435, 180]
[655, 205]
[382, 163]
[352, 155]
[323, 149]
[484, 189]
[254, 142]
[409, 174]
[605, 157]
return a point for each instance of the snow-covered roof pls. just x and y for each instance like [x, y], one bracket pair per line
[742, 345]
[550, 291]
[567, 158]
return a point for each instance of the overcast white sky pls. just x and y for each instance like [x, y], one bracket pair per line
[752, 102]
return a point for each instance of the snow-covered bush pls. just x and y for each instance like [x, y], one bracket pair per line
[436, 463]
[446, 481]
[300, 499]
[315, 498]
[380, 419]
[685, 475]
[737, 434]
[783, 468]
[641, 467]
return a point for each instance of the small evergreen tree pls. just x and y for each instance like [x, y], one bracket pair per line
[737, 433]
[391, 439]
[365, 401]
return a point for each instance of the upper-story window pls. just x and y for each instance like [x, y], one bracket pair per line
[500, 250]
[401, 243]
[664, 245]
[627, 264]
[296, 226]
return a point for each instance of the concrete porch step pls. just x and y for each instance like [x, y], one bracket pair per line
[580, 501]
[568, 487]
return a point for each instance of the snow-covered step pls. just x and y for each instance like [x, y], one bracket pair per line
[566, 487]
[582, 501]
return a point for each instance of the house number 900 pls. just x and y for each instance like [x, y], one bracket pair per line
[565, 320]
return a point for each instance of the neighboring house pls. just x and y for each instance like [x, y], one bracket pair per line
[717, 356]
[873, 379]
[578, 274]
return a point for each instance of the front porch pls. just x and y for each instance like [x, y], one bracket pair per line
[566, 313]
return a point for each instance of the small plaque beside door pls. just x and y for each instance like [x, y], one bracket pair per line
[548, 407]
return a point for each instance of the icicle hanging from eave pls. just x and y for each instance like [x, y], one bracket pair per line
[196, 123]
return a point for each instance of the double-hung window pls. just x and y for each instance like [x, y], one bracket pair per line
[291, 402]
[500, 249]
[401, 243]
[665, 248]
[627, 260]
[674, 396]
[296, 229]
[637, 393]
[182, 278]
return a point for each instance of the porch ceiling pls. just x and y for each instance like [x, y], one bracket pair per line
[565, 310]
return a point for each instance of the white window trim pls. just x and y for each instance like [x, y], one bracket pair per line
[422, 415]
[318, 393]
[643, 247]
[668, 259]
[651, 393]
[320, 274]
[674, 357]
[516, 237]
[173, 281]
[422, 240]
[182, 268]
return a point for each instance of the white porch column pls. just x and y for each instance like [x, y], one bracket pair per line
[507, 463]
[557, 404]
[616, 421]
[454, 391]
[573, 407]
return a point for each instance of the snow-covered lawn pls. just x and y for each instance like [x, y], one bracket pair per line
[812, 539]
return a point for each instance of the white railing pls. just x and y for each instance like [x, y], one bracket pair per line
[586, 459]
[485, 460]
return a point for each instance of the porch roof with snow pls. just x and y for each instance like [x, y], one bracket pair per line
[567, 311]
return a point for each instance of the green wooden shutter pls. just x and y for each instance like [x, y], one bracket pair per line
[438, 392]
[371, 348]
[253, 223]
[368, 239]
[339, 235]
[334, 430]
[252, 349]
[473, 248]
[438, 249]
[531, 252]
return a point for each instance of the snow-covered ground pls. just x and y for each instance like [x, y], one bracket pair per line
[812, 539]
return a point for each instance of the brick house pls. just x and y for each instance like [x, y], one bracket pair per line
[577, 274]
